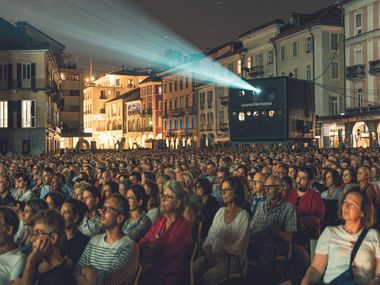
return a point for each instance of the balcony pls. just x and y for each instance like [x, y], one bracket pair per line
[223, 126]
[224, 100]
[148, 129]
[374, 67]
[256, 71]
[355, 71]
[147, 112]
[205, 127]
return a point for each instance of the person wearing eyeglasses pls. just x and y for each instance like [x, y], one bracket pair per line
[138, 223]
[111, 258]
[228, 236]
[166, 243]
[45, 265]
[272, 226]
[21, 192]
[11, 258]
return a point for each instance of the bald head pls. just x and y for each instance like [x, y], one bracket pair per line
[259, 183]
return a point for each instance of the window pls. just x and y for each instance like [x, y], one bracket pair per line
[171, 105]
[26, 70]
[358, 56]
[103, 94]
[181, 84]
[282, 73]
[209, 99]
[3, 114]
[175, 85]
[358, 23]
[149, 90]
[239, 66]
[334, 70]
[74, 93]
[358, 97]
[259, 59]
[160, 105]
[334, 41]
[158, 89]
[28, 113]
[202, 100]
[282, 53]
[170, 87]
[74, 77]
[295, 49]
[117, 93]
[334, 105]
[249, 62]
[117, 82]
[165, 88]
[308, 72]
[308, 44]
[165, 106]
[210, 118]
[3, 72]
[187, 82]
[270, 56]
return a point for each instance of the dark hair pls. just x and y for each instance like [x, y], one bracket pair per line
[287, 180]
[352, 173]
[23, 176]
[53, 221]
[57, 198]
[140, 194]
[154, 193]
[205, 184]
[308, 171]
[366, 207]
[122, 204]
[149, 176]
[61, 179]
[95, 193]
[225, 171]
[136, 174]
[113, 186]
[36, 205]
[237, 187]
[10, 218]
[77, 207]
[49, 170]
[335, 175]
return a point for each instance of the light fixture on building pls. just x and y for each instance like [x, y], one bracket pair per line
[255, 114]
[249, 113]
[241, 92]
[271, 113]
[234, 114]
[241, 116]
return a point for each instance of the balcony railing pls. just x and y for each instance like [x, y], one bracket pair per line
[224, 100]
[181, 112]
[223, 126]
[355, 71]
[146, 112]
[374, 67]
[257, 70]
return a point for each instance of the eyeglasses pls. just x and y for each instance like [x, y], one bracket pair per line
[166, 197]
[109, 209]
[226, 190]
[257, 182]
[268, 187]
[131, 198]
[36, 234]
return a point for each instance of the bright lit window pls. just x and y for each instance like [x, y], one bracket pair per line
[28, 114]
[3, 114]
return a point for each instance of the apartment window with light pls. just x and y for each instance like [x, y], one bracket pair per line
[282, 53]
[249, 62]
[358, 23]
[308, 44]
[334, 41]
[359, 97]
[334, 105]
[334, 70]
[308, 72]
[28, 113]
[295, 49]
[270, 56]
[239, 66]
[3, 114]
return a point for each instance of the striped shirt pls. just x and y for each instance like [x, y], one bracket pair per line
[116, 263]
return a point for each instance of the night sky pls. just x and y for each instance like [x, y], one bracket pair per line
[203, 23]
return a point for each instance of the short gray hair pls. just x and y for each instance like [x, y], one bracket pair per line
[180, 195]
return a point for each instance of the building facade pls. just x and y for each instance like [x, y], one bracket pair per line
[30, 91]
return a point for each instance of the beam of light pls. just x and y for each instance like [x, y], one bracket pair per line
[118, 32]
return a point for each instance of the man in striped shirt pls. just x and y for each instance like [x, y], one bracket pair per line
[110, 258]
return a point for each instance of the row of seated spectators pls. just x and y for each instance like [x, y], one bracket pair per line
[81, 221]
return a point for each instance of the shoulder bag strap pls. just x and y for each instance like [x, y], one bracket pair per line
[357, 245]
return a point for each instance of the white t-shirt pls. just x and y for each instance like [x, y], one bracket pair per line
[11, 266]
[338, 245]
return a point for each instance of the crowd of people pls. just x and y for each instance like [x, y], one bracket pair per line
[246, 211]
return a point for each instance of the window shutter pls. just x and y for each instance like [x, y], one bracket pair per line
[18, 75]
[33, 113]
[33, 75]
[10, 114]
[10, 75]
[19, 113]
